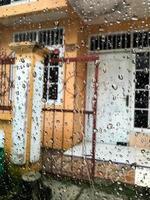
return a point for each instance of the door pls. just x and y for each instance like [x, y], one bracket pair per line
[113, 101]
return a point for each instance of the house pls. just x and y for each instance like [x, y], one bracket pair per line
[84, 96]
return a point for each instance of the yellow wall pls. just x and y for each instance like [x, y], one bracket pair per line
[6, 125]
[72, 128]
[28, 8]
[63, 130]
[6, 116]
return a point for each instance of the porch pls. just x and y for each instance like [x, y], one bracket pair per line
[116, 163]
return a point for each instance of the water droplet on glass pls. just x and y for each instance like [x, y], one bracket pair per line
[114, 86]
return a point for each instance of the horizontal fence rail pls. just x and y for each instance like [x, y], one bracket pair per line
[68, 111]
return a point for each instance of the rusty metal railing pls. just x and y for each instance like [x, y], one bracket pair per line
[6, 84]
[64, 122]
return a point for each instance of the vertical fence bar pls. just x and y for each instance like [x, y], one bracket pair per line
[83, 140]
[44, 113]
[63, 118]
[74, 107]
[53, 137]
[94, 118]
[1, 86]
[4, 86]
[9, 84]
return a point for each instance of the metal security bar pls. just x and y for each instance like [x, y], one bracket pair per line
[120, 41]
[47, 37]
[6, 84]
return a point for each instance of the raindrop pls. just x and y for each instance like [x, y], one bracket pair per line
[134, 18]
[23, 85]
[120, 76]
[104, 70]
[146, 70]
[34, 74]
[109, 126]
[114, 98]
[44, 100]
[22, 60]
[142, 150]
[114, 86]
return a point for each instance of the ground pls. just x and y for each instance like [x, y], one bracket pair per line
[63, 189]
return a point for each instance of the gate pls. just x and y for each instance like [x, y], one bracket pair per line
[66, 151]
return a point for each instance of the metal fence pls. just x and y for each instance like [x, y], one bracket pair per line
[64, 135]
[6, 83]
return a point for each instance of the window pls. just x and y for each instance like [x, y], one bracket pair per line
[53, 75]
[120, 41]
[48, 37]
[141, 39]
[108, 42]
[26, 36]
[142, 81]
[51, 37]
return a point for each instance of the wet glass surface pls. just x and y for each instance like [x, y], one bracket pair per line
[74, 99]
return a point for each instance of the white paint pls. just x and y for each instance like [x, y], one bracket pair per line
[2, 138]
[104, 152]
[143, 157]
[120, 155]
[113, 153]
[20, 111]
[79, 150]
[113, 115]
[37, 113]
[142, 176]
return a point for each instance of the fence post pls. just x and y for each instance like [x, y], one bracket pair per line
[27, 108]
[94, 117]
